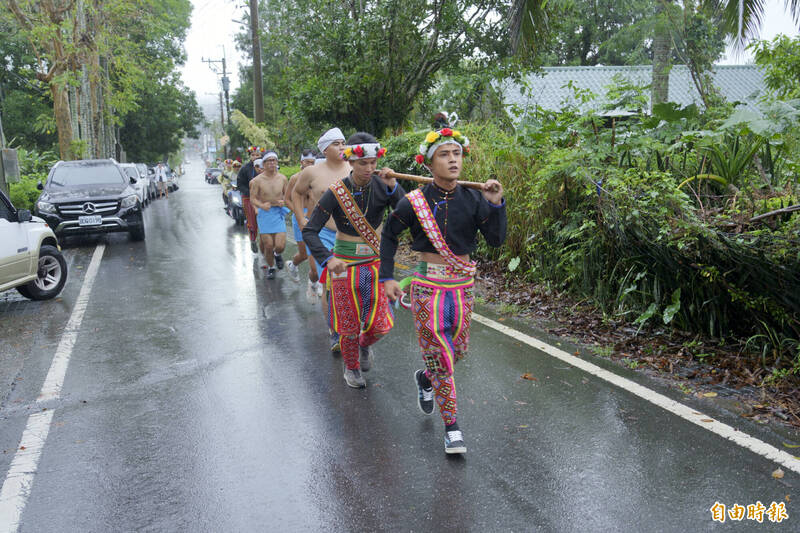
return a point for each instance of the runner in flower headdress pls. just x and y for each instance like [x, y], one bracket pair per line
[359, 311]
[444, 219]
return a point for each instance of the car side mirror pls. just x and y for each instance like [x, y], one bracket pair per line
[133, 181]
[40, 186]
[23, 215]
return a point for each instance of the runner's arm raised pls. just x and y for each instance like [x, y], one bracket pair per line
[287, 197]
[319, 217]
[299, 194]
[491, 219]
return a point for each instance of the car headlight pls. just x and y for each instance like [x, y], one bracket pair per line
[45, 207]
[129, 201]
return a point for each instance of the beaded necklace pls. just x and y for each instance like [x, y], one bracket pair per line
[359, 193]
[446, 196]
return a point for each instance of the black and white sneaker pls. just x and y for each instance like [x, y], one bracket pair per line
[365, 357]
[454, 442]
[425, 395]
[279, 261]
[271, 273]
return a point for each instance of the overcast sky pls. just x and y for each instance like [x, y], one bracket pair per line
[213, 28]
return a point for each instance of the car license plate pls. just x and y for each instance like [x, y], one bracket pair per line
[92, 220]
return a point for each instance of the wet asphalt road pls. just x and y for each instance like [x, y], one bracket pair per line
[202, 397]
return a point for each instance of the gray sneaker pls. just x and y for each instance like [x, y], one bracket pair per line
[454, 442]
[365, 357]
[293, 271]
[354, 379]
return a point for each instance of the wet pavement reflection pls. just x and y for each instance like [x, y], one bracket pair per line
[202, 397]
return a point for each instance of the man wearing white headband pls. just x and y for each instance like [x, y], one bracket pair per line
[357, 204]
[306, 160]
[444, 219]
[312, 184]
[266, 192]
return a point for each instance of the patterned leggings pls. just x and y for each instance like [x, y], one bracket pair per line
[442, 311]
[359, 311]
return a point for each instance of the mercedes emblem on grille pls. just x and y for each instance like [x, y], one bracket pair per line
[89, 208]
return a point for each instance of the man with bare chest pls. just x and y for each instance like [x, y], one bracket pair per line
[312, 183]
[266, 194]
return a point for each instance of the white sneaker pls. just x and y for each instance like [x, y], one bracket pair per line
[311, 293]
[320, 289]
[293, 270]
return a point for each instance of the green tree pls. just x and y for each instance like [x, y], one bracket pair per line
[167, 112]
[365, 66]
[781, 61]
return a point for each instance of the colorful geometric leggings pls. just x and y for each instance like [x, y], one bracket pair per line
[359, 311]
[442, 311]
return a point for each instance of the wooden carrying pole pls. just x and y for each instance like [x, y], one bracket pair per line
[425, 179]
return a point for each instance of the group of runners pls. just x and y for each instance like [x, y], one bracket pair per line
[347, 215]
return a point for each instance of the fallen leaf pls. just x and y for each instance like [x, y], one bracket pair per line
[706, 420]
[778, 474]
[710, 394]
[520, 403]
[788, 498]
[525, 425]
[791, 445]
[528, 376]
[22, 447]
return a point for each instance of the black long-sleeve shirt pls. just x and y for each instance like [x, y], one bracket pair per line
[374, 199]
[243, 178]
[459, 213]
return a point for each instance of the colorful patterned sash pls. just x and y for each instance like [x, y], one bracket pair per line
[355, 216]
[434, 234]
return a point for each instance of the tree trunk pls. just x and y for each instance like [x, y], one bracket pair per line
[63, 120]
[662, 52]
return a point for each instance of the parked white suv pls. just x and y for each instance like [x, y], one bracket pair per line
[30, 258]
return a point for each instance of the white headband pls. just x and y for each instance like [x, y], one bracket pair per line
[367, 150]
[333, 134]
[257, 163]
[434, 146]
[309, 157]
[268, 155]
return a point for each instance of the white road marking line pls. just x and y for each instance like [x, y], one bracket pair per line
[58, 368]
[687, 413]
[19, 480]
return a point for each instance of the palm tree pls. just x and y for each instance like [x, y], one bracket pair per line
[741, 19]
[528, 25]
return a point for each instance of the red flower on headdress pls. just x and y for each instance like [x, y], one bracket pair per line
[381, 152]
[446, 132]
[420, 159]
[359, 151]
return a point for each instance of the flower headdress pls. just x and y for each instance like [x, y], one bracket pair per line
[435, 139]
[363, 151]
[252, 149]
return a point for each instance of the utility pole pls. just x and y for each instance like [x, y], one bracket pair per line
[258, 90]
[226, 82]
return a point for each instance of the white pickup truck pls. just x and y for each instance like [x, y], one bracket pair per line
[30, 258]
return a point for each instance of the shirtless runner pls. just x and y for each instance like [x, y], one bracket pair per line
[306, 160]
[313, 182]
[266, 193]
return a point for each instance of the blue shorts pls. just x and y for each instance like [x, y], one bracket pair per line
[298, 233]
[328, 238]
[272, 221]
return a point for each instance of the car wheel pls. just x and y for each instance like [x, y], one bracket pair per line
[52, 275]
[137, 234]
[23, 290]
